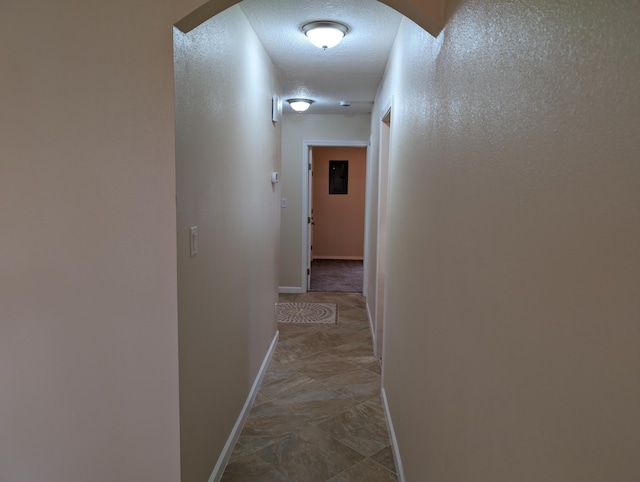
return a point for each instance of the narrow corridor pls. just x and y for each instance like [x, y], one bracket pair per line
[318, 415]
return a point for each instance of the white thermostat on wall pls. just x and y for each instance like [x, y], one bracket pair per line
[276, 108]
[274, 177]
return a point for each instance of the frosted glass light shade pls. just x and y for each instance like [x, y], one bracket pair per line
[299, 105]
[325, 35]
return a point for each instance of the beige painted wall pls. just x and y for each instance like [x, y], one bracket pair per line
[226, 148]
[537, 122]
[88, 331]
[296, 129]
[513, 307]
[338, 232]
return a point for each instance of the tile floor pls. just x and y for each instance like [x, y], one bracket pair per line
[318, 415]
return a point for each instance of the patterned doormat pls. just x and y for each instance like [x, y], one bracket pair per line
[307, 313]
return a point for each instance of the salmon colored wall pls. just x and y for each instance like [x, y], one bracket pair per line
[338, 232]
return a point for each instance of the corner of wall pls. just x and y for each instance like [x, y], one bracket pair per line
[395, 449]
[202, 14]
[429, 14]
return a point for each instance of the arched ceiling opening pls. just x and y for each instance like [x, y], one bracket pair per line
[342, 81]
[429, 14]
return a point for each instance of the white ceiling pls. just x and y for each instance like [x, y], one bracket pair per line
[351, 71]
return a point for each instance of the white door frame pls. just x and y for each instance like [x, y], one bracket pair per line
[305, 248]
[310, 222]
[384, 151]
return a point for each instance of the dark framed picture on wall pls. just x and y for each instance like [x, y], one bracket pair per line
[338, 177]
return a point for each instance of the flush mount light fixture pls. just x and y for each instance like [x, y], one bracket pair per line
[299, 105]
[325, 34]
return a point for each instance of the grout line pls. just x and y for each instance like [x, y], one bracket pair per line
[383, 466]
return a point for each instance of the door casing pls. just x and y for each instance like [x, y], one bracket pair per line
[307, 203]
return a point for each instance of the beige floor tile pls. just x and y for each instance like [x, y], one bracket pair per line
[385, 458]
[359, 383]
[365, 471]
[321, 366]
[288, 331]
[362, 428]
[318, 413]
[250, 468]
[266, 424]
[310, 455]
[260, 399]
[293, 349]
[316, 407]
[353, 349]
[294, 383]
[370, 363]
[323, 340]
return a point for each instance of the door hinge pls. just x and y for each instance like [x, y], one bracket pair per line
[308, 271]
[308, 220]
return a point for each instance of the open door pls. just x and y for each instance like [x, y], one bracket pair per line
[310, 217]
[310, 159]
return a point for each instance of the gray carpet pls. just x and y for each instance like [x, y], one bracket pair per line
[336, 275]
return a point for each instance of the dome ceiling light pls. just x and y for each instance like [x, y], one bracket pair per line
[325, 34]
[300, 105]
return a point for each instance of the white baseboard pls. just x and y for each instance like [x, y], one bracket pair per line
[394, 440]
[221, 464]
[291, 289]
[349, 258]
[373, 331]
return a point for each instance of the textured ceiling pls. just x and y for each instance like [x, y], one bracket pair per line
[350, 71]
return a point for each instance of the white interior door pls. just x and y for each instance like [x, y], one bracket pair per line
[310, 217]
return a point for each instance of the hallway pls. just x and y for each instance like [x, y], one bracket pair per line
[145, 242]
[318, 415]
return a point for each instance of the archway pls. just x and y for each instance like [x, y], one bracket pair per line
[230, 238]
[429, 14]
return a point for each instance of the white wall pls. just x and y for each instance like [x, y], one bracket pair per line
[513, 307]
[374, 273]
[226, 148]
[296, 129]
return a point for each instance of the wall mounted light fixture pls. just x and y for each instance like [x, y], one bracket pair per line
[299, 105]
[325, 34]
